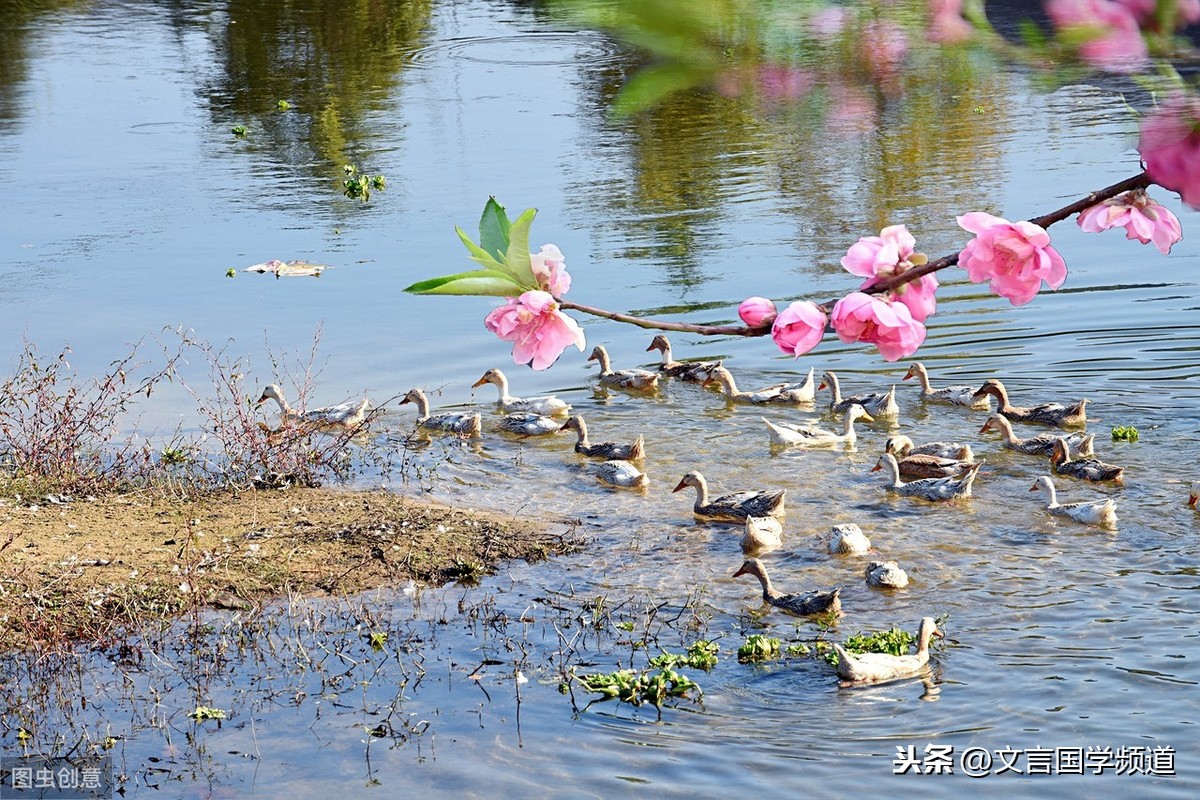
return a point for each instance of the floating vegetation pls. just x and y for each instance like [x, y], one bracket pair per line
[204, 713]
[358, 186]
[701, 655]
[239, 131]
[893, 641]
[283, 105]
[758, 648]
[1125, 433]
[640, 686]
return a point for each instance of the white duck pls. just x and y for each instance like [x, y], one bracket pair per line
[1040, 445]
[345, 416]
[621, 473]
[901, 446]
[802, 392]
[529, 424]
[849, 539]
[762, 533]
[1099, 512]
[957, 395]
[462, 424]
[880, 404]
[624, 378]
[812, 436]
[936, 489]
[886, 575]
[877, 667]
[546, 405]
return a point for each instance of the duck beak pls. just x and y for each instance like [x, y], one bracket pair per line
[741, 571]
[682, 484]
[1192, 501]
[938, 633]
[592, 357]
[479, 383]
[822, 386]
[651, 347]
[402, 402]
[261, 400]
[908, 374]
[1033, 488]
[876, 468]
[987, 426]
[867, 417]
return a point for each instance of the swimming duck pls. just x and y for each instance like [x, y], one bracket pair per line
[1100, 512]
[849, 539]
[900, 446]
[877, 667]
[696, 371]
[802, 392]
[928, 488]
[762, 533]
[345, 416]
[812, 436]
[733, 507]
[885, 575]
[1056, 414]
[814, 602]
[1042, 444]
[1089, 469]
[530, 424]
[621, 473]
[921, 465]
[606, 450]
[462, 424]
[958, 395]
[624, 378]
[545, 405]
[879, 404]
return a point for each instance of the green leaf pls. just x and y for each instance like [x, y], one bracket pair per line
[493, 229]
[479, 282]
[478, 254]
[517, 256]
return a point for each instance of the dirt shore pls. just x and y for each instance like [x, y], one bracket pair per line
[90, 569]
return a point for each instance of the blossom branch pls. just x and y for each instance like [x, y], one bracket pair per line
[1139, 181]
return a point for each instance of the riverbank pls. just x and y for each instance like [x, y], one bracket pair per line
[91, 570]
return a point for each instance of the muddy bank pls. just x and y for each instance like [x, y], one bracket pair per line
[92, 569]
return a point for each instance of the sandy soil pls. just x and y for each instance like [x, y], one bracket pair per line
[90, 569]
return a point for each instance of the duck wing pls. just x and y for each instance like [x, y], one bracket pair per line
[814, 602]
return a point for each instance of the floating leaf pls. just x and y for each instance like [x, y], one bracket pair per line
[478, 282]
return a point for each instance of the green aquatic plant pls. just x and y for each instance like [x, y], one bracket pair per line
[758, 648]
[639, 686]
[358, 185]
[701, 655]
[239, 131]
[283, 105]
[893, 641]
[203, 713]
[1125, 433]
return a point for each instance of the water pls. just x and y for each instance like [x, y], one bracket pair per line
[126, 199]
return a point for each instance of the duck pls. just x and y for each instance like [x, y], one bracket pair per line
[695, 371]
[462, 424]
[529, 424]
[1057, 414]
[624, 378]
[343, 417]
[545, 405]
[880, 404]
[733, 507]
[937, 489]
[814, 602]
[885, 575]
[812, 436]
[762, 533]
[922, 465]
[618, 472]
[849, 539]
[901, 445]
[1099, 512]
[607, 450]
[957, 395]
[1088, 469]
[1042, 444]
[878, 667]
[802, 392]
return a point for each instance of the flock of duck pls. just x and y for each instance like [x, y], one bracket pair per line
[933, 471]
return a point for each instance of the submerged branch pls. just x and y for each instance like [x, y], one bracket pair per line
[1139, 181]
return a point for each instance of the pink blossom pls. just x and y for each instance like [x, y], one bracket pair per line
[946, 24]
[1015, 256]
[550, 270]
[757, 311]
[539, 331]
[860, 317]
[1111, 37]
[1186, 12]
[1142, 218]
[799, 327]
[878, 258]
[1170, 146]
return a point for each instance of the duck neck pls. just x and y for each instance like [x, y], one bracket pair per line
[665, 347]
[502, 386]
[848, 432]
[1051, 495]
[926, 634]
[581, 430]
[893, 469]
[923, 377]
[725, 378]
[998, 391]
[284, 407]
[422, 404]
[769, 592]
[701, 487]
[605, 363]
[834, 387]
[1006, 429]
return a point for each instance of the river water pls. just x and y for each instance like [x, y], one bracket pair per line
[126, 199]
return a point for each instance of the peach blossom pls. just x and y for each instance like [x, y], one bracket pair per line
[1170, 146]
[757, 311]
[877, 258]
[1185, 12]
[860, 317]
[538, 329]
[1112, 39]
[799, 327]
[1014, 256]
[550, 270]
[1142, 218]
